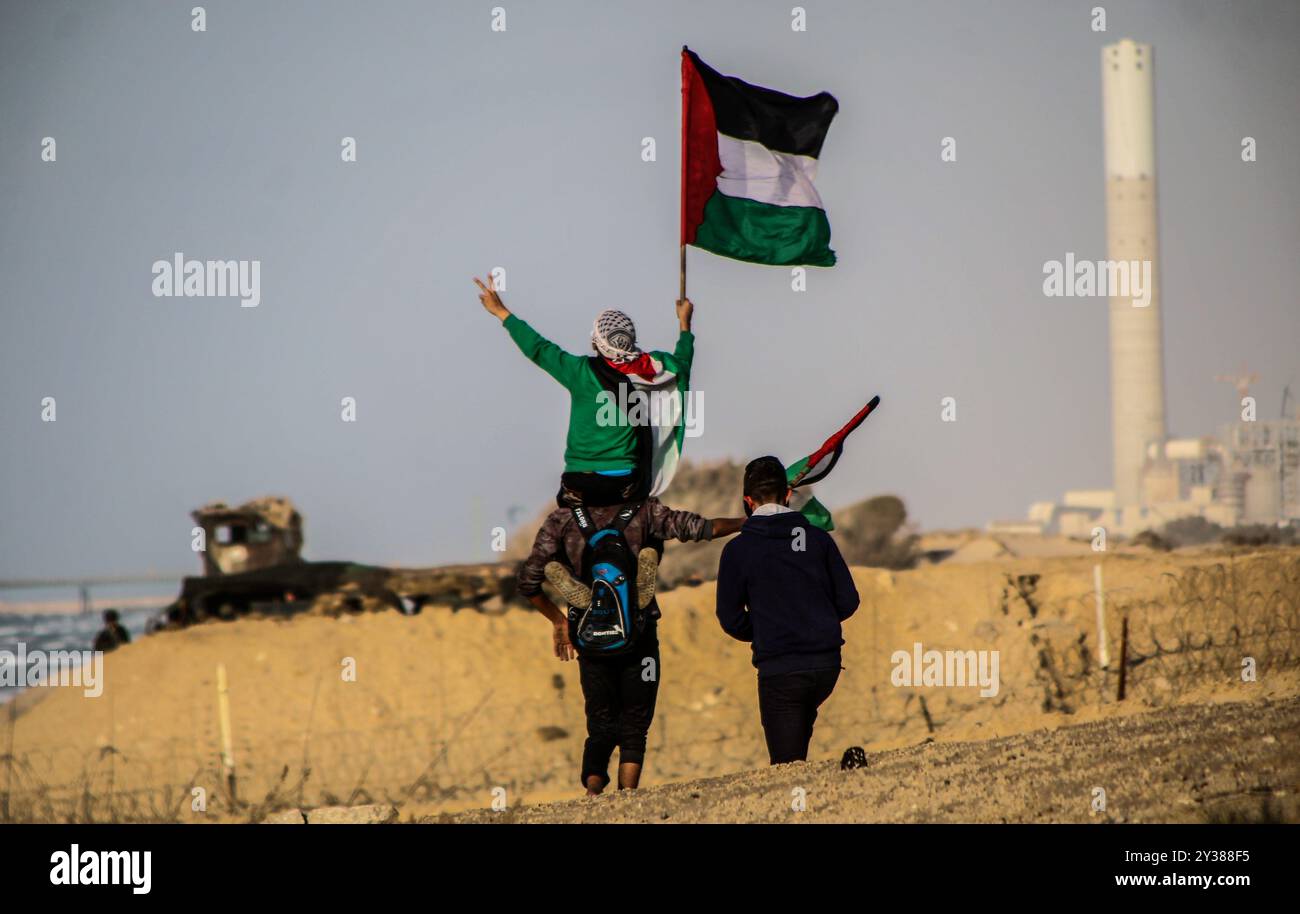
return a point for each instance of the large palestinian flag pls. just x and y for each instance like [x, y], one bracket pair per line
[818, 465]
[749, 157]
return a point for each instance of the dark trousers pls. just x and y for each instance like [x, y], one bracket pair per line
[596, 490]
[620, 697]
[787, 705]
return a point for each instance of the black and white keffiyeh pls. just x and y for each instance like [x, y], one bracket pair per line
[614, 336]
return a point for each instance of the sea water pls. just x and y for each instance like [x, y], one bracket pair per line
[60, 632]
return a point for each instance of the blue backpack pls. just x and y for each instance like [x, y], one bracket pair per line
[613, 622]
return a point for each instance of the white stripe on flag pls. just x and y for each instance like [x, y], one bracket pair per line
[666, 415]
[752, 171]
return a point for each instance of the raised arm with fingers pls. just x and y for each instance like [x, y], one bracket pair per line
[492, 302]
[553, 360]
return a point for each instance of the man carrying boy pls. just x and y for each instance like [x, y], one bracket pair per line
[619, 690]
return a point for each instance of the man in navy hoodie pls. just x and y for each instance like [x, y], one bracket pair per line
[784, 587]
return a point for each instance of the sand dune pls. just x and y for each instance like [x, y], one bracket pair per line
[446, 706]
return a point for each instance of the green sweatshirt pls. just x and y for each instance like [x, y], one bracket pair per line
[590, 446]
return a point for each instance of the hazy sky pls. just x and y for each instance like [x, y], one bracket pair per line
[522, 149]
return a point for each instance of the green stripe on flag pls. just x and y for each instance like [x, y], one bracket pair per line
[794, 469]
[765, 233]
[817, 515]
[814, 510]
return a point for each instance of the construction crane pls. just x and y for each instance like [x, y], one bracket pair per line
[1241, 380]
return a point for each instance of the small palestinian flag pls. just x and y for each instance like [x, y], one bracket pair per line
[749, 157]
[818, 465]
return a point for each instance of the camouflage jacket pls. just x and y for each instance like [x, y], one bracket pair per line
[559, 538]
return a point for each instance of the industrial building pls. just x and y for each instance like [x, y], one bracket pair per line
[1249, 472]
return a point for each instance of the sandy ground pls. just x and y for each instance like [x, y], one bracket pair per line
[446, 708]
[1199, 763]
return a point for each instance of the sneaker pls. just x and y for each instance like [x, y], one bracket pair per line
[647, 576]
[577, 593]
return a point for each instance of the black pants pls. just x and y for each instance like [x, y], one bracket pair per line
[596, 490]
[787, 705]
[620, 694]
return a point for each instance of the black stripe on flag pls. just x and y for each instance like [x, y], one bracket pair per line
[782, 123]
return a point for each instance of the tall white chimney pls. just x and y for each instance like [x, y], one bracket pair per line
[1137, 388]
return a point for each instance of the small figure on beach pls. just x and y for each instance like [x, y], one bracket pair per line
[113, 635]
